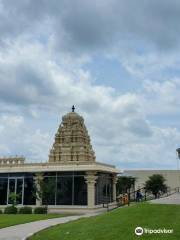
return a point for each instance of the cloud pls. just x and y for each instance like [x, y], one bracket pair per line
[162, 97]
[24, 76]
[44, 46]
[120, 130]
[82, 26]
[19, 138]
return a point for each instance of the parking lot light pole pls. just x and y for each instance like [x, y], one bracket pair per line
[178, 160]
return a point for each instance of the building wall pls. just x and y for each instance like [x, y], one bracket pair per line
[172, 176]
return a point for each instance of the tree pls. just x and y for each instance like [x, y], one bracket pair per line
[124, 184]
[13, 197]
[156, 185]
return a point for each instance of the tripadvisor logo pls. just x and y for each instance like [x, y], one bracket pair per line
[139, 231]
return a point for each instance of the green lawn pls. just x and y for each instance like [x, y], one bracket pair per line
[13, 219]
[119, 224]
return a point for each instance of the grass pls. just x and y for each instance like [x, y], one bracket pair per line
[7, 220]
[119, 224]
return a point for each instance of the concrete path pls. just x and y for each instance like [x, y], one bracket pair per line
[172, 199]
[22, 231]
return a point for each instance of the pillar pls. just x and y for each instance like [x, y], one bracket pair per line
[114, 181]
[38, 180]
[91, 180]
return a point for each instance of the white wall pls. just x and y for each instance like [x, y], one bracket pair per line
[172, 176]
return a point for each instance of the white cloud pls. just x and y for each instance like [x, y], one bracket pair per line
[162, 97]
[18, 138]
[120, 130]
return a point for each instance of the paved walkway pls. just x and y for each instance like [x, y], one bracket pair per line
[22, 231]
[172, 199]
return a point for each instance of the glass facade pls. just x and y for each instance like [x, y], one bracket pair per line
[58, 188]
[67, 188]
[20, 185]
[103, 189]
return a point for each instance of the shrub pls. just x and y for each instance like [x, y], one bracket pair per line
[25, 210]
[10, 210]
[40, 210]
[1, 211]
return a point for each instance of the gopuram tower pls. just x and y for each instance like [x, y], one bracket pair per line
[72, 142]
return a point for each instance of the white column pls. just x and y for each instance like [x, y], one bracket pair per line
[114, 181]
[91, 180]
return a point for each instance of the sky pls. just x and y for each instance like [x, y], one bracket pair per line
[117, 61]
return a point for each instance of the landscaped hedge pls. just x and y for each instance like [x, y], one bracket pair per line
[1, 211]
[10, 210]
[40, 210]
[25, 210]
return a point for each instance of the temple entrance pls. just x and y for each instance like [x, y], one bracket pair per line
[15, 190]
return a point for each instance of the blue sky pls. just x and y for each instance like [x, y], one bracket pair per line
[116, 61]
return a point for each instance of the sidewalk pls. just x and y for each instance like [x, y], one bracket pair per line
[22, 231]
[172, 199]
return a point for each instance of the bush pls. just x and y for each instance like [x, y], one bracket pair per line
[40, 210]
[10, 210]
[25, 210]
[1, 211]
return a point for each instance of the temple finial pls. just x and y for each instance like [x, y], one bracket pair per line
[73, 108]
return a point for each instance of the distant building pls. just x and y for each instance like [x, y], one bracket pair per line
[75, 178]
[172, 177]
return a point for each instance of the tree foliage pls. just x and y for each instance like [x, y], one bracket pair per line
[124, 184]
[13, 197]
[156, 185]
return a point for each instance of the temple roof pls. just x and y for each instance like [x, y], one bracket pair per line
[73, 115]
[72, 141]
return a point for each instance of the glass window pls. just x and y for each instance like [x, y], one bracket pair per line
[15, 190]
[65, 188]
[103, 189]
[11, 190]
[80, 191]
[48, 189]
[19, 190]
[29, 191]
[64, 191]
[3, 191]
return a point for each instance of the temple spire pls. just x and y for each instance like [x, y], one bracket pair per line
[73, 108]
[72, 141]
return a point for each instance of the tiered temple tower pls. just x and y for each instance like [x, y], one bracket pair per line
[72, 142]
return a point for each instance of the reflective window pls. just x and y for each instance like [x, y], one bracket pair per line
[104, 189]
[64, 191]
[15, 190]
[3, 191]
[29, 191]
[11, 190]
[80, 191]
[19, 190]
[49, 188]
[61, 188]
